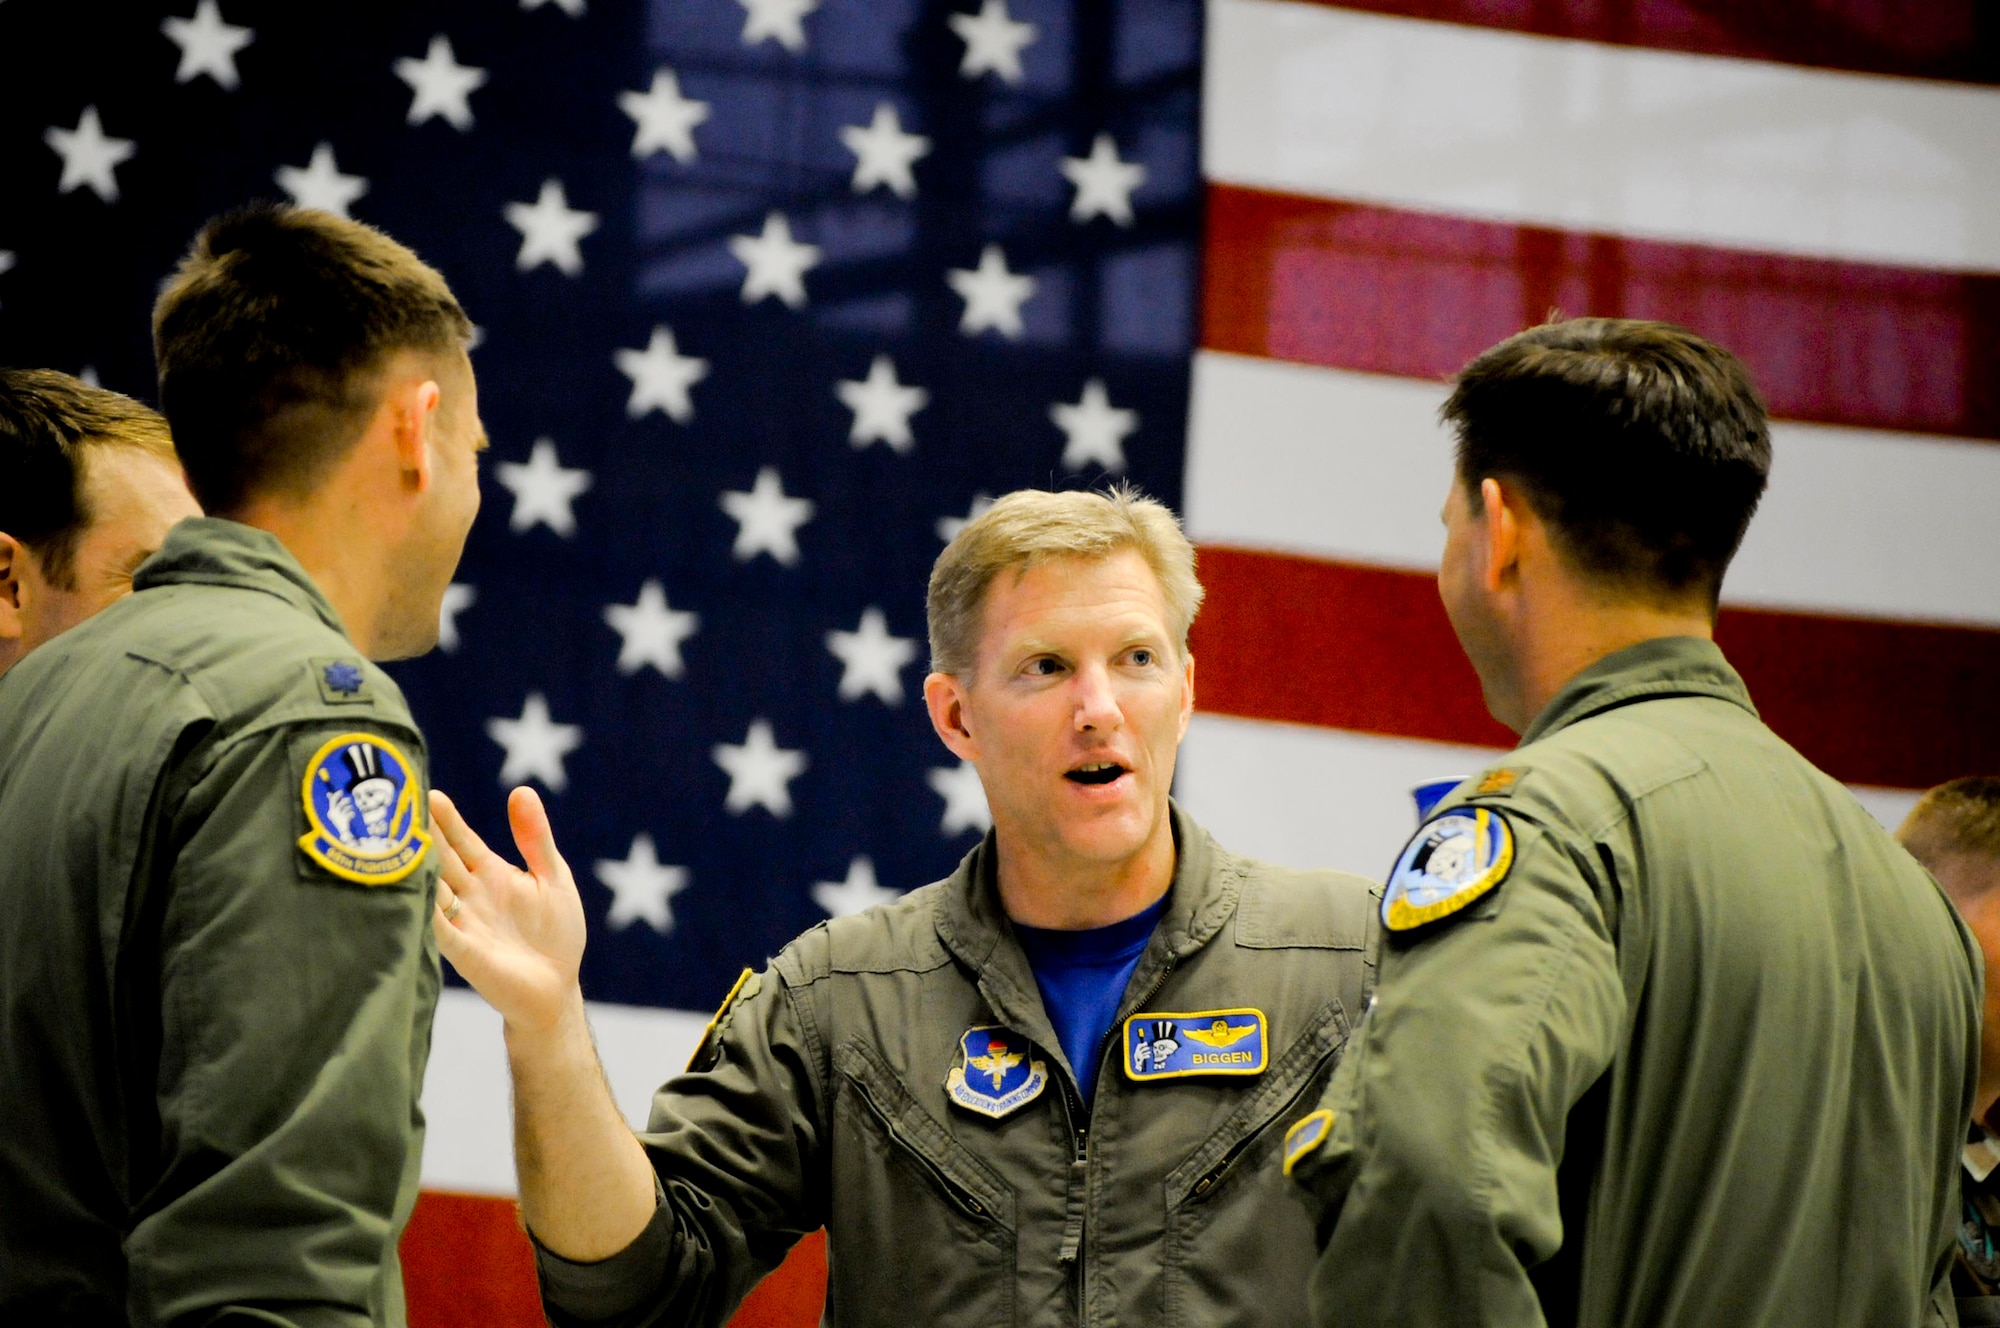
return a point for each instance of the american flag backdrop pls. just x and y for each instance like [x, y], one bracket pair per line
[771, 292]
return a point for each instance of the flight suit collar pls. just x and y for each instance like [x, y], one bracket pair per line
[213, 551]
[974, 927]
[1664, 666]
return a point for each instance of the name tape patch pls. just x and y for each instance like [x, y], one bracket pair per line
[365, 810]
[1173, 1046]
[1453, 860]
[997, 1072]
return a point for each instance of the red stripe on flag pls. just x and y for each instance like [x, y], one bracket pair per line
[1952, 39]
[467, 1264]
[1382, 290]
[1368, 649]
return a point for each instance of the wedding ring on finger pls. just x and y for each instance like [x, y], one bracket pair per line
[451, 909]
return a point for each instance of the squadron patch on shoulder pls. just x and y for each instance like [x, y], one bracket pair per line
[364, 809]
[1173, 1046]
[1455, 858]
[997, 1072]
[1306, 1134]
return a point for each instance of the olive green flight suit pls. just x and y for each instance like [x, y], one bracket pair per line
[822, 1100]
[211, 1044]
[1703, 1056]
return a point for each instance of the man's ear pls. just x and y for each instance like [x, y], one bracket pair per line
[12, 625]
[944, 697]
[410, 408]
[1502, 514]
[1187, 699]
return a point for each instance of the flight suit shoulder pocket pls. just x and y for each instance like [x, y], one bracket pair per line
[888, 1107]
[1284, 1093]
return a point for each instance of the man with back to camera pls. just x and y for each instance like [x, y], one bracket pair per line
[89, 486]
[216, 973]
[1669, 1031]
[1954, 830]
[1047, 1090]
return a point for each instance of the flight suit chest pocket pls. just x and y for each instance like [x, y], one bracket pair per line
[1226, 1203]
[928, 1226]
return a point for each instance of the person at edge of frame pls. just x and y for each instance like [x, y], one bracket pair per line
[1954, 830]
[89, 486]
[1047, 1090]
[1669, 1032]
[217, 974]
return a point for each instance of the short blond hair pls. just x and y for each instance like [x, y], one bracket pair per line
[1032, 526]
[1962, 816]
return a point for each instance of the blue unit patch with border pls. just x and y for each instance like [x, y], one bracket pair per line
[365, 810]
[997, 1072]
[1306, 1134]
[1174, 1046]
[1454, 859]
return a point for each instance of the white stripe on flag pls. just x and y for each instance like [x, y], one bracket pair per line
[468, 1142]
[1308, 99]
[1354, 467]
[1312, 797]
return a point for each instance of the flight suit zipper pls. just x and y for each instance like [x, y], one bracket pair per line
[1071, 1252]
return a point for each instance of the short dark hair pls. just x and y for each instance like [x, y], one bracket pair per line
[267, 338]
[1645, 447]
[1962, 816]
[47, 419]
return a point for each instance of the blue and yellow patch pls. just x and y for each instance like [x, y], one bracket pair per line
[1306, 1134]
[997, 1072]
[365, 809]
[1173, 1046]
[1454, 859]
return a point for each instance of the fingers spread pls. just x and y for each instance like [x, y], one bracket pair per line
[533, 834]
[455, 833]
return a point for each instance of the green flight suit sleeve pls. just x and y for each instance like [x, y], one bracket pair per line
[294, 1028]
[735, 1145]
[1437, 1174]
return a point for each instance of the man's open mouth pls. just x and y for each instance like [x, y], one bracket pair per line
[1097, 772]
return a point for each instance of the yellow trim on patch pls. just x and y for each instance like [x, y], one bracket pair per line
[715, 1020]
[1263, 1044]
[408, 803]
[1296, 1149]
[1400, 915]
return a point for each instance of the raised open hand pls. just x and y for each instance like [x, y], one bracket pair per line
[517, 936]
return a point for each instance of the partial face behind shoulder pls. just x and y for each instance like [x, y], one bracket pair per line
[1076, 708]
[133, 498]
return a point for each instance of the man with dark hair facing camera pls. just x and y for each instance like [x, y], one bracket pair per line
[217, 973]
[1668, 1031]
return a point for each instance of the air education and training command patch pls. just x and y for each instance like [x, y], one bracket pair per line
[1454, 859]
[1173, 1046]
[365, 810]
[997, 1073]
